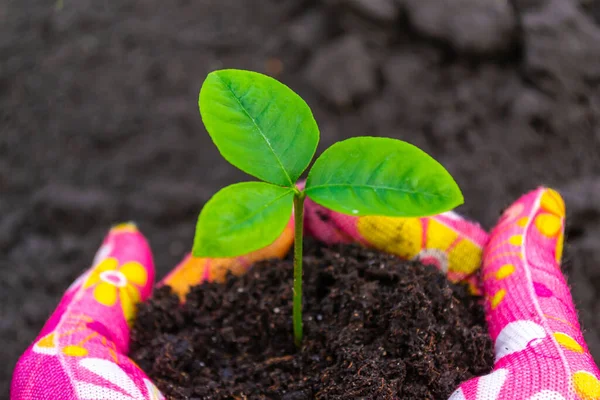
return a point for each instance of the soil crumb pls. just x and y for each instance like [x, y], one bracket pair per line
[375, 327]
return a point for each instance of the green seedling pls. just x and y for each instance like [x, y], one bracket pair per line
[265, 129]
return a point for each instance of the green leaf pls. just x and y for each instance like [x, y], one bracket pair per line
[242, 218]
[381, 176]
[259, 125]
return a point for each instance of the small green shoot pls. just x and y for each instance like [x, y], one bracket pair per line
[265, 129]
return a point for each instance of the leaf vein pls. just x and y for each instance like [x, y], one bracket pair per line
[253, 214]
[257, 128]
[354, 187]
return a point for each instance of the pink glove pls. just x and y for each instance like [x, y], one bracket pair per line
[80, 353]
[540, 351]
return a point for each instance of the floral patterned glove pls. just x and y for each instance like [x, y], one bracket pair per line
[81, 351]
[540, 351]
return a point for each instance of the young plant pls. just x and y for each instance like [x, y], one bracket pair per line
[265, 129]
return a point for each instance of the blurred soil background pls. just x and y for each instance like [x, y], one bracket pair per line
[99, 120]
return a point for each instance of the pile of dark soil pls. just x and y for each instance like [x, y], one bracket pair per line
[376, 327]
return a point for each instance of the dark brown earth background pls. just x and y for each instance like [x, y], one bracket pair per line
[99, 119]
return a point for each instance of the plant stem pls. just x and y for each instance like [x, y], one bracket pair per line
[298, 233]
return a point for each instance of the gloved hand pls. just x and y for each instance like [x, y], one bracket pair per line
[540, 352]
[539, 348]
